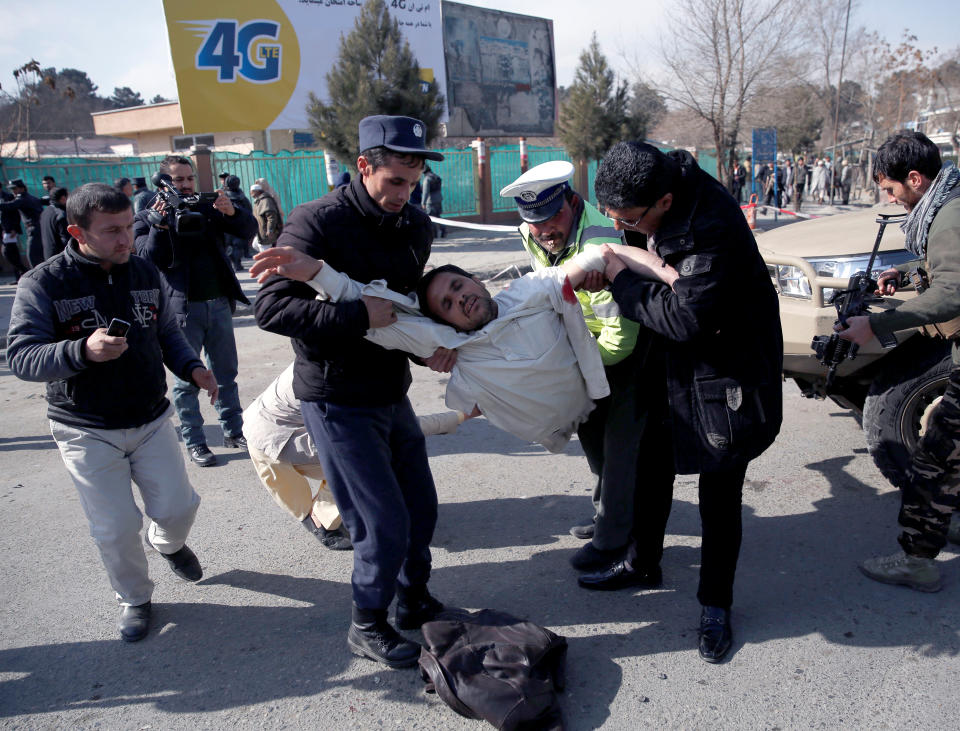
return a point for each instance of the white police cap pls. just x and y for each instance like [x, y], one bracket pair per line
[539, 191]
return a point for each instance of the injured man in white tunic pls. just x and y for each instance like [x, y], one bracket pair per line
[525, 358]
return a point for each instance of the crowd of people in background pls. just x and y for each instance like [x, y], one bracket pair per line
[35, 227]
[788, 180]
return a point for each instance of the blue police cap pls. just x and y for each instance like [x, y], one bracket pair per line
[400, 134]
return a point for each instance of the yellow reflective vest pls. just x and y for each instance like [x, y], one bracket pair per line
[616, 335]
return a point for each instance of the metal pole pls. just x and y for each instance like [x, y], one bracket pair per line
[836, 118]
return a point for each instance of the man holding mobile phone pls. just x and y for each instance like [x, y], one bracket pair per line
[203, 291]
[106, 390]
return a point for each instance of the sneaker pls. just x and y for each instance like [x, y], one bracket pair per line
[201, 455]
[953, 534]
[237, 442]
[901, 568]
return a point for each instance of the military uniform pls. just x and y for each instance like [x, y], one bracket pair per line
[931, 494]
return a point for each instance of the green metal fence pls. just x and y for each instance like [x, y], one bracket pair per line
[72, 172]
[297, 177]
[459, 189]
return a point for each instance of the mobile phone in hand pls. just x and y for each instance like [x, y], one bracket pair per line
[209, 197]
[118, 328]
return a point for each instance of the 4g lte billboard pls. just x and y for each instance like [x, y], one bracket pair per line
[250, 64]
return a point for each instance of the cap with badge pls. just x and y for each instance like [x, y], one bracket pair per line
[539, 192]
[399, 134]
[15, 183]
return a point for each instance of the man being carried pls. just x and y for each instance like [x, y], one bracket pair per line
[558, 225]
[285, 458]
[534, 325]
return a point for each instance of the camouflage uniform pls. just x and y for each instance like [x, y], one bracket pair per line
[932, 492]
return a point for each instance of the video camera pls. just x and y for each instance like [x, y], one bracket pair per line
[181, 214]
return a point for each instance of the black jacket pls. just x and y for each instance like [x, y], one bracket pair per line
[29, 207]
[60, 303]
[349, 230]
[494, 666]
[168, 251]
[719, 326]
[53, 230]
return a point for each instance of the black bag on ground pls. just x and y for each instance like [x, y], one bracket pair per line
[491, 665]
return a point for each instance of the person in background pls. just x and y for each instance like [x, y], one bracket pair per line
[267, 213]
[48, 184]
[10, 225]
[124, 186]
[53, 224]
[236, 246]
[342, 180]
[142, 195]
[203, 292]
[433, 195]
[29, 208]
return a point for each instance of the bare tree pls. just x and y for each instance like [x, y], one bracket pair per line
[719, 54]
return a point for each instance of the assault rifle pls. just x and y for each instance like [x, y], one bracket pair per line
[861, 292]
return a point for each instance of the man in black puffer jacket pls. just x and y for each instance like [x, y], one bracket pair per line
[108, 409]
[353, 392]
[713, 377]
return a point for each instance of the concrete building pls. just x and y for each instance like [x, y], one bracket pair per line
[157, 129]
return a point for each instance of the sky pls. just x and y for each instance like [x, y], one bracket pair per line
[124, 42]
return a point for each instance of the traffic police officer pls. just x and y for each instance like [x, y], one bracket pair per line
[558, 224]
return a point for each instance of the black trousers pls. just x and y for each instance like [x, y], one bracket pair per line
[610, 438]
[720, 499]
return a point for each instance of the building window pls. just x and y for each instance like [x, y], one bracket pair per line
[185, 142]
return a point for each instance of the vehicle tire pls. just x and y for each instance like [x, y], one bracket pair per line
[897, 401]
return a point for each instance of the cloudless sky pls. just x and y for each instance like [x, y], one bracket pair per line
[124, 42]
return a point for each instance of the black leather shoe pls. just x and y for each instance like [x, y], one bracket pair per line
[416, 607]
[134, 622]
[237, 442]
[202, 455]
[335, 540]
[590, 558]
[716, 634]
[619, 576]
[184, 564]
[372, 636]
[583, 532]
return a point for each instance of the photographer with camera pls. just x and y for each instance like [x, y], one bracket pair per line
[909, 169]
[183, 234]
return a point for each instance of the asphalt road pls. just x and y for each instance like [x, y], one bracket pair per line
[260, 641]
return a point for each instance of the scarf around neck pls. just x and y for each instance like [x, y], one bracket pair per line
[917, 226]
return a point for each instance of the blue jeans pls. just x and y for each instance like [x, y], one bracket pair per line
[375, 462]
[209, 326]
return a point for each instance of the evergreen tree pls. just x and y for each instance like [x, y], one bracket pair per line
[593, 116]
[645, 110]
[158, 99]
[375, 73]
[124, 96]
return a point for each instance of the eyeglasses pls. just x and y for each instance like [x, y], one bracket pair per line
[629, 224]
[188, 179]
